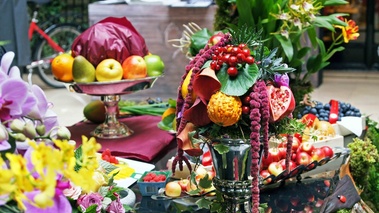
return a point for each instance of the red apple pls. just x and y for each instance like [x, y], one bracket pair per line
[275, 154]
[134, 66]
[282, 152]
[328, 151]
[214, 39]
[295, 201]
[295, 143]
[303, 158]
[310, 120]
[292, 164]
[206, 159]
[264, 174]
[266, 161]
[306, 147]
[183, 184]
[275, 168]
[293, 156]
[318, 154]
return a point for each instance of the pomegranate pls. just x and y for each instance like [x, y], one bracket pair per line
[282, 102]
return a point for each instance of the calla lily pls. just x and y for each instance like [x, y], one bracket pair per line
[197, 113]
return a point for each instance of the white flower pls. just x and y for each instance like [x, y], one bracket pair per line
[307, 6]
[284, 16]
[295, 7]
[297, 22]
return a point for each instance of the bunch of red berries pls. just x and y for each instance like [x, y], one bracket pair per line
[231, 55]
[153, 177]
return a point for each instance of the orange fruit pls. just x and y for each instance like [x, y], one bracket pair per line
[61, 67]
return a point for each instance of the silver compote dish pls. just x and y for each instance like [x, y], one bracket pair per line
[110, 94]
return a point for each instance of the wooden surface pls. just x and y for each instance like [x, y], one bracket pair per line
[158, 24]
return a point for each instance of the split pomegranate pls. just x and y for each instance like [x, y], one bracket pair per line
[282, 102]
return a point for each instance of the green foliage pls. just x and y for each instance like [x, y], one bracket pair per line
[363, 156]
[247, 76]
[371, 192]
[199, 40]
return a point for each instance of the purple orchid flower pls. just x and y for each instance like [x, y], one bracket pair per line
[61, 204]
[42, 109]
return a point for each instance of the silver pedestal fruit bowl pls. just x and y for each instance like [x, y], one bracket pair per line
[110, 94]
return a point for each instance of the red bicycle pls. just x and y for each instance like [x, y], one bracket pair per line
[54, 40]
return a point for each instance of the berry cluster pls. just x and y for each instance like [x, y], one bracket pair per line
[232, 56]
[246, 104]
[322, 111]
[153, 177]
[107, 156]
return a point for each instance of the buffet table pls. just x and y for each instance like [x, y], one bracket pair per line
[156, 147]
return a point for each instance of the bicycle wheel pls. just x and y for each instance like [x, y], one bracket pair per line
[64, 35]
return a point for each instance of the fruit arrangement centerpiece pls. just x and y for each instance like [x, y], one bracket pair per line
[236, 89]
[109, 59]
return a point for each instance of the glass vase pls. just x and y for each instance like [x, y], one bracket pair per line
[232, 171]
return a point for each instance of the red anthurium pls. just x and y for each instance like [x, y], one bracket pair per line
[185, 143]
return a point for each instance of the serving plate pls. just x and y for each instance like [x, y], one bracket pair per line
[139, 169]
[313, 168]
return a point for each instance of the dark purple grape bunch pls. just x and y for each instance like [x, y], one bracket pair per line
[322, 111]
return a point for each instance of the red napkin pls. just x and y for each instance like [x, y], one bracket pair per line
[144, 144]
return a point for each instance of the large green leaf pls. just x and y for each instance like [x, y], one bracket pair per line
[286, 46]
[313, 63]
[239, 85]
[335, 2]
[329, 21]
[199, 40]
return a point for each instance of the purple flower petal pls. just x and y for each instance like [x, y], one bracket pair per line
[6, 62]
[61, 204]
[4, 145]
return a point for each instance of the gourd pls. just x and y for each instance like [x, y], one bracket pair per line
[224, 110]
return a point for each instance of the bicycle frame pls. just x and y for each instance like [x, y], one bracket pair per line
[34, 27]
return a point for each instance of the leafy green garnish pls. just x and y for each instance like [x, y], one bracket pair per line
[239, 85]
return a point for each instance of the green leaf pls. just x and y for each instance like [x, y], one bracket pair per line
[108, 167]
[203, 203]
[303, 52]
[286, 46]
[221, 149]
[78, 157]
[312, 35]
[198, 40]
[167, 122]
[145, 109]
[193, 139]
[244, 13]
[329, 21]
[205, 182]
[335, 2]
[240, 84]
[91, 209]
[313, 63]
[340, 48]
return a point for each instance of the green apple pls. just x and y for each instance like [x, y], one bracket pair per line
[154, 64]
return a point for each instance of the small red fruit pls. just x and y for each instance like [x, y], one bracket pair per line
[342, 198]
[232, 71]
